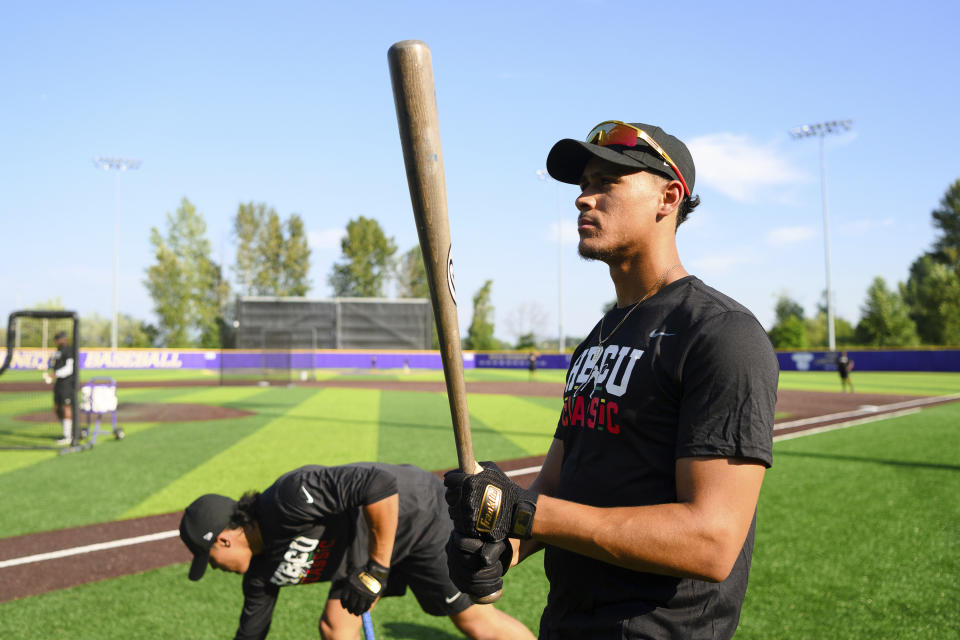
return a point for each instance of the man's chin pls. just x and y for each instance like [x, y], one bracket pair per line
[590, 253]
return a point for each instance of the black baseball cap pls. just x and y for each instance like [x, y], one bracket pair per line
[59, 334]
[568, 157]
[200, 525]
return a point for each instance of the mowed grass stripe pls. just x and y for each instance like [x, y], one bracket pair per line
[415, 428]
[529, 426]
[326, 426]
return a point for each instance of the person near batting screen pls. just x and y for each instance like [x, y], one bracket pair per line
[371, 529]
[61, 365]
[646, 502]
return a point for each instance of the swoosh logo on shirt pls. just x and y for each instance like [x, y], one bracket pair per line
[307, 494]
[655, 333]
[452, 598]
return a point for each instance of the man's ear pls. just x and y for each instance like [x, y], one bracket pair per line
[670, 199]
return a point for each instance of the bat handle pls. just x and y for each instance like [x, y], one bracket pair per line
[367, 626]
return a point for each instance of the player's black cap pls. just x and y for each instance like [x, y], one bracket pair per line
[59, 334]
[568, 157]
[200, 525]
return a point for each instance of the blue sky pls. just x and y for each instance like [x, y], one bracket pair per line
[289, 104]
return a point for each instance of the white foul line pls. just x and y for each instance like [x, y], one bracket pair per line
[100, 546]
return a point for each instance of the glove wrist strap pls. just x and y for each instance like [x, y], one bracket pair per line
[522, 524]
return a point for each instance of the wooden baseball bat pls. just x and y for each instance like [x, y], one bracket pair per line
[411, 73]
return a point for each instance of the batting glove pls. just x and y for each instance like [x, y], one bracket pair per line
[477, 567]
[363, 587]
[489, 505]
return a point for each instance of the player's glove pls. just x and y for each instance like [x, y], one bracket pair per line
[489, 505]
[475, 566]
[47, 377]
[363, 587]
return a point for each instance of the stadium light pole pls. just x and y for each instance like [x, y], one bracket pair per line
[120, 165]
[561, 341]
[822, 130]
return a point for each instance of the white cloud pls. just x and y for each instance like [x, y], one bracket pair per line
[738, 167]
[326, 239]
[789, 235]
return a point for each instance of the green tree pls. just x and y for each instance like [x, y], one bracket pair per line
[885, 319]
[366, 262]
[412, 275]
[788, 330]
[186, 285]
[816, 327]
[412, 281]
[480, 335]
[273, 256]
[790, 333]
[932, 293]
[946, 218]
[246, 232]
[95, 331]
[296, 258]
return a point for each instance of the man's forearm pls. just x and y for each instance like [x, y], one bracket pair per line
[382, 518]
[699, 536]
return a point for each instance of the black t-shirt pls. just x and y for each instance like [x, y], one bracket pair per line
[313, 528]
[689, 373]
[62, 358]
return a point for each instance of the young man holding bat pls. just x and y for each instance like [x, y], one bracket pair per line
[646, 501]
[371, 529]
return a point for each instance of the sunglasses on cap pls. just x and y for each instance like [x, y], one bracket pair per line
[614, 132]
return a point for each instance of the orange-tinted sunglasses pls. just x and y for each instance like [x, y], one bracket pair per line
[614, 132]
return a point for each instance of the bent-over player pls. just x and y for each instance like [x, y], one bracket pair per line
[64, 390]
[371, 529]
[646, 500]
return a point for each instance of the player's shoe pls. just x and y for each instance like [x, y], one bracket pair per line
[62, 442]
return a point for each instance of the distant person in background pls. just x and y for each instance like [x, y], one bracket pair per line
[61, 365]
[844, 367]
[532, 364]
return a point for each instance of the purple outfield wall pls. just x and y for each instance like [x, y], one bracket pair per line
[93, 359]
[873, 360]
[199, 359]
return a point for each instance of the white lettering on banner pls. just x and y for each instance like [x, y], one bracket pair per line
[105, 359]
[802, 360]
[296, 561]
[28, 360]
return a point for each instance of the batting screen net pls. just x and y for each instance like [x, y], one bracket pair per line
[39, 370]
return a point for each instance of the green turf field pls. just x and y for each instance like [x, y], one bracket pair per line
[857, 528]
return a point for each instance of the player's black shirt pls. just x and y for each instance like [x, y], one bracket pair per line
[689, 373]
[64, 356]
[313, 528]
